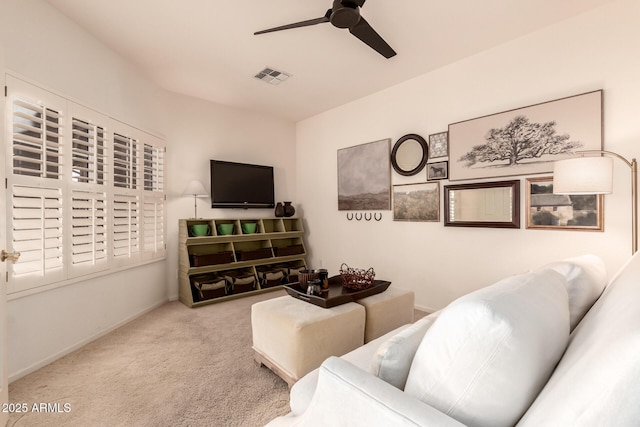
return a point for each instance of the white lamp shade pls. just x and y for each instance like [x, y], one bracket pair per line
[583, 175]
[196, 189]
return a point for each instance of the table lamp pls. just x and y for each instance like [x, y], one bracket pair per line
[195, 189]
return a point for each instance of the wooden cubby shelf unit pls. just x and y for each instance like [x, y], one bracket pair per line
[225, 262]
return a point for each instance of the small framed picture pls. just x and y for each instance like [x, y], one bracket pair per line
[438, 145]
[437, 170]
[416, 202]
[549, 211]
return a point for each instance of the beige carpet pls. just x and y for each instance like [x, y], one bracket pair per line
[174, 366]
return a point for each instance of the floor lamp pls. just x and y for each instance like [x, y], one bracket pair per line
[594, 175]
[195, 189]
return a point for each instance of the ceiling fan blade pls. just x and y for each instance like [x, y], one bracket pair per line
[368, 35]
[360, 3]
[307, 23]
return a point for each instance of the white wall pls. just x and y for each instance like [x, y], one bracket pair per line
[42, 46]
[45, 47]
[201, 131]
[597, 50]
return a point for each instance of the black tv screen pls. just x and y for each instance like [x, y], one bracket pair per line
[241, 185]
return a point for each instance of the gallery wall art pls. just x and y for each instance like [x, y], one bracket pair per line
[438, 145]
[549, 211]
[416, 202]
[526, 140]
[364, 176]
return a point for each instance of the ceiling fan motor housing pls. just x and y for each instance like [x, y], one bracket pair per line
[344, 14]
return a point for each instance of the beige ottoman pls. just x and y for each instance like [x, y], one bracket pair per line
[387, 311]
[293, 337]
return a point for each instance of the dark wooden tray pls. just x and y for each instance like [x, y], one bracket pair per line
[336, 295]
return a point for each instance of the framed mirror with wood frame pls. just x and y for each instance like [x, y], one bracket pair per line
[485, 204]
[409, 154]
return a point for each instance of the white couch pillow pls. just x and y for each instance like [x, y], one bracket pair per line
[392, 360]
[586, 278]
[490, 352]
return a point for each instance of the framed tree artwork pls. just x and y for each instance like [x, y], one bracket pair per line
[549, 211]
[527, 140]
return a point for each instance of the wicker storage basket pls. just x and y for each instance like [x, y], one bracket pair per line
[356, 278]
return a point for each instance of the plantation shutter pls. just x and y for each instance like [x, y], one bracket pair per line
[35, 172]
[153, 221]
[153, 199]
[85, 193]
[36, 233]
[125, 162]
[36, 140]
[126, 207]
[126, 227]
[89, 216]
[88, 152]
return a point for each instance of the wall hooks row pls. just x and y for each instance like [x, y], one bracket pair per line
[368, 216]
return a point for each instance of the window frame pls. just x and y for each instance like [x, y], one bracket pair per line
[89, 228]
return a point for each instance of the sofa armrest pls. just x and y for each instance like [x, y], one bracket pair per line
[348, 396]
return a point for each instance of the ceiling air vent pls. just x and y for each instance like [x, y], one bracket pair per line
[271, 76]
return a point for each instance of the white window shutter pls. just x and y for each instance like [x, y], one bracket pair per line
[125, 161]
[154, 227]
[35, 181]
[88, 152]
[36, 232]
[85, 192]
[37, 133]
[126, 228]
[89, 233]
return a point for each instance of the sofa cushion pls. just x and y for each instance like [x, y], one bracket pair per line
[490, 352]
[597, 382]
[392, 361]
[586, 277]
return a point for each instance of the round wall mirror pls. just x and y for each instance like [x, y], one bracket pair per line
[409, 154]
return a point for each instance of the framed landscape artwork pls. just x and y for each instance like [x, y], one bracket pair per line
[364, 177]
[527, 140]
[416, 202]
[549, 211]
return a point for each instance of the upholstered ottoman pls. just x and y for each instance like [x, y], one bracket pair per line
[293, 337]
[386, 311]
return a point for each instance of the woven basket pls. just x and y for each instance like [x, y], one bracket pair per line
[356, 278]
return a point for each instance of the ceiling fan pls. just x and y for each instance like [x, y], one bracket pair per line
[345, 14]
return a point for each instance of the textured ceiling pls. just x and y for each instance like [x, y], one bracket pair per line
[206, 48]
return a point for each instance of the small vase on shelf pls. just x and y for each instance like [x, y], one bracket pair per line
[289, 210]
[279, 212]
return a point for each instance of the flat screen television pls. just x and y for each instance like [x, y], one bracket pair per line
[241, 185]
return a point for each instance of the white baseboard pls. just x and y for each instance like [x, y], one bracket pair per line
[425, 308]
[26, 371]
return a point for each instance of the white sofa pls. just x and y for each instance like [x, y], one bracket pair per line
[531, 350]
